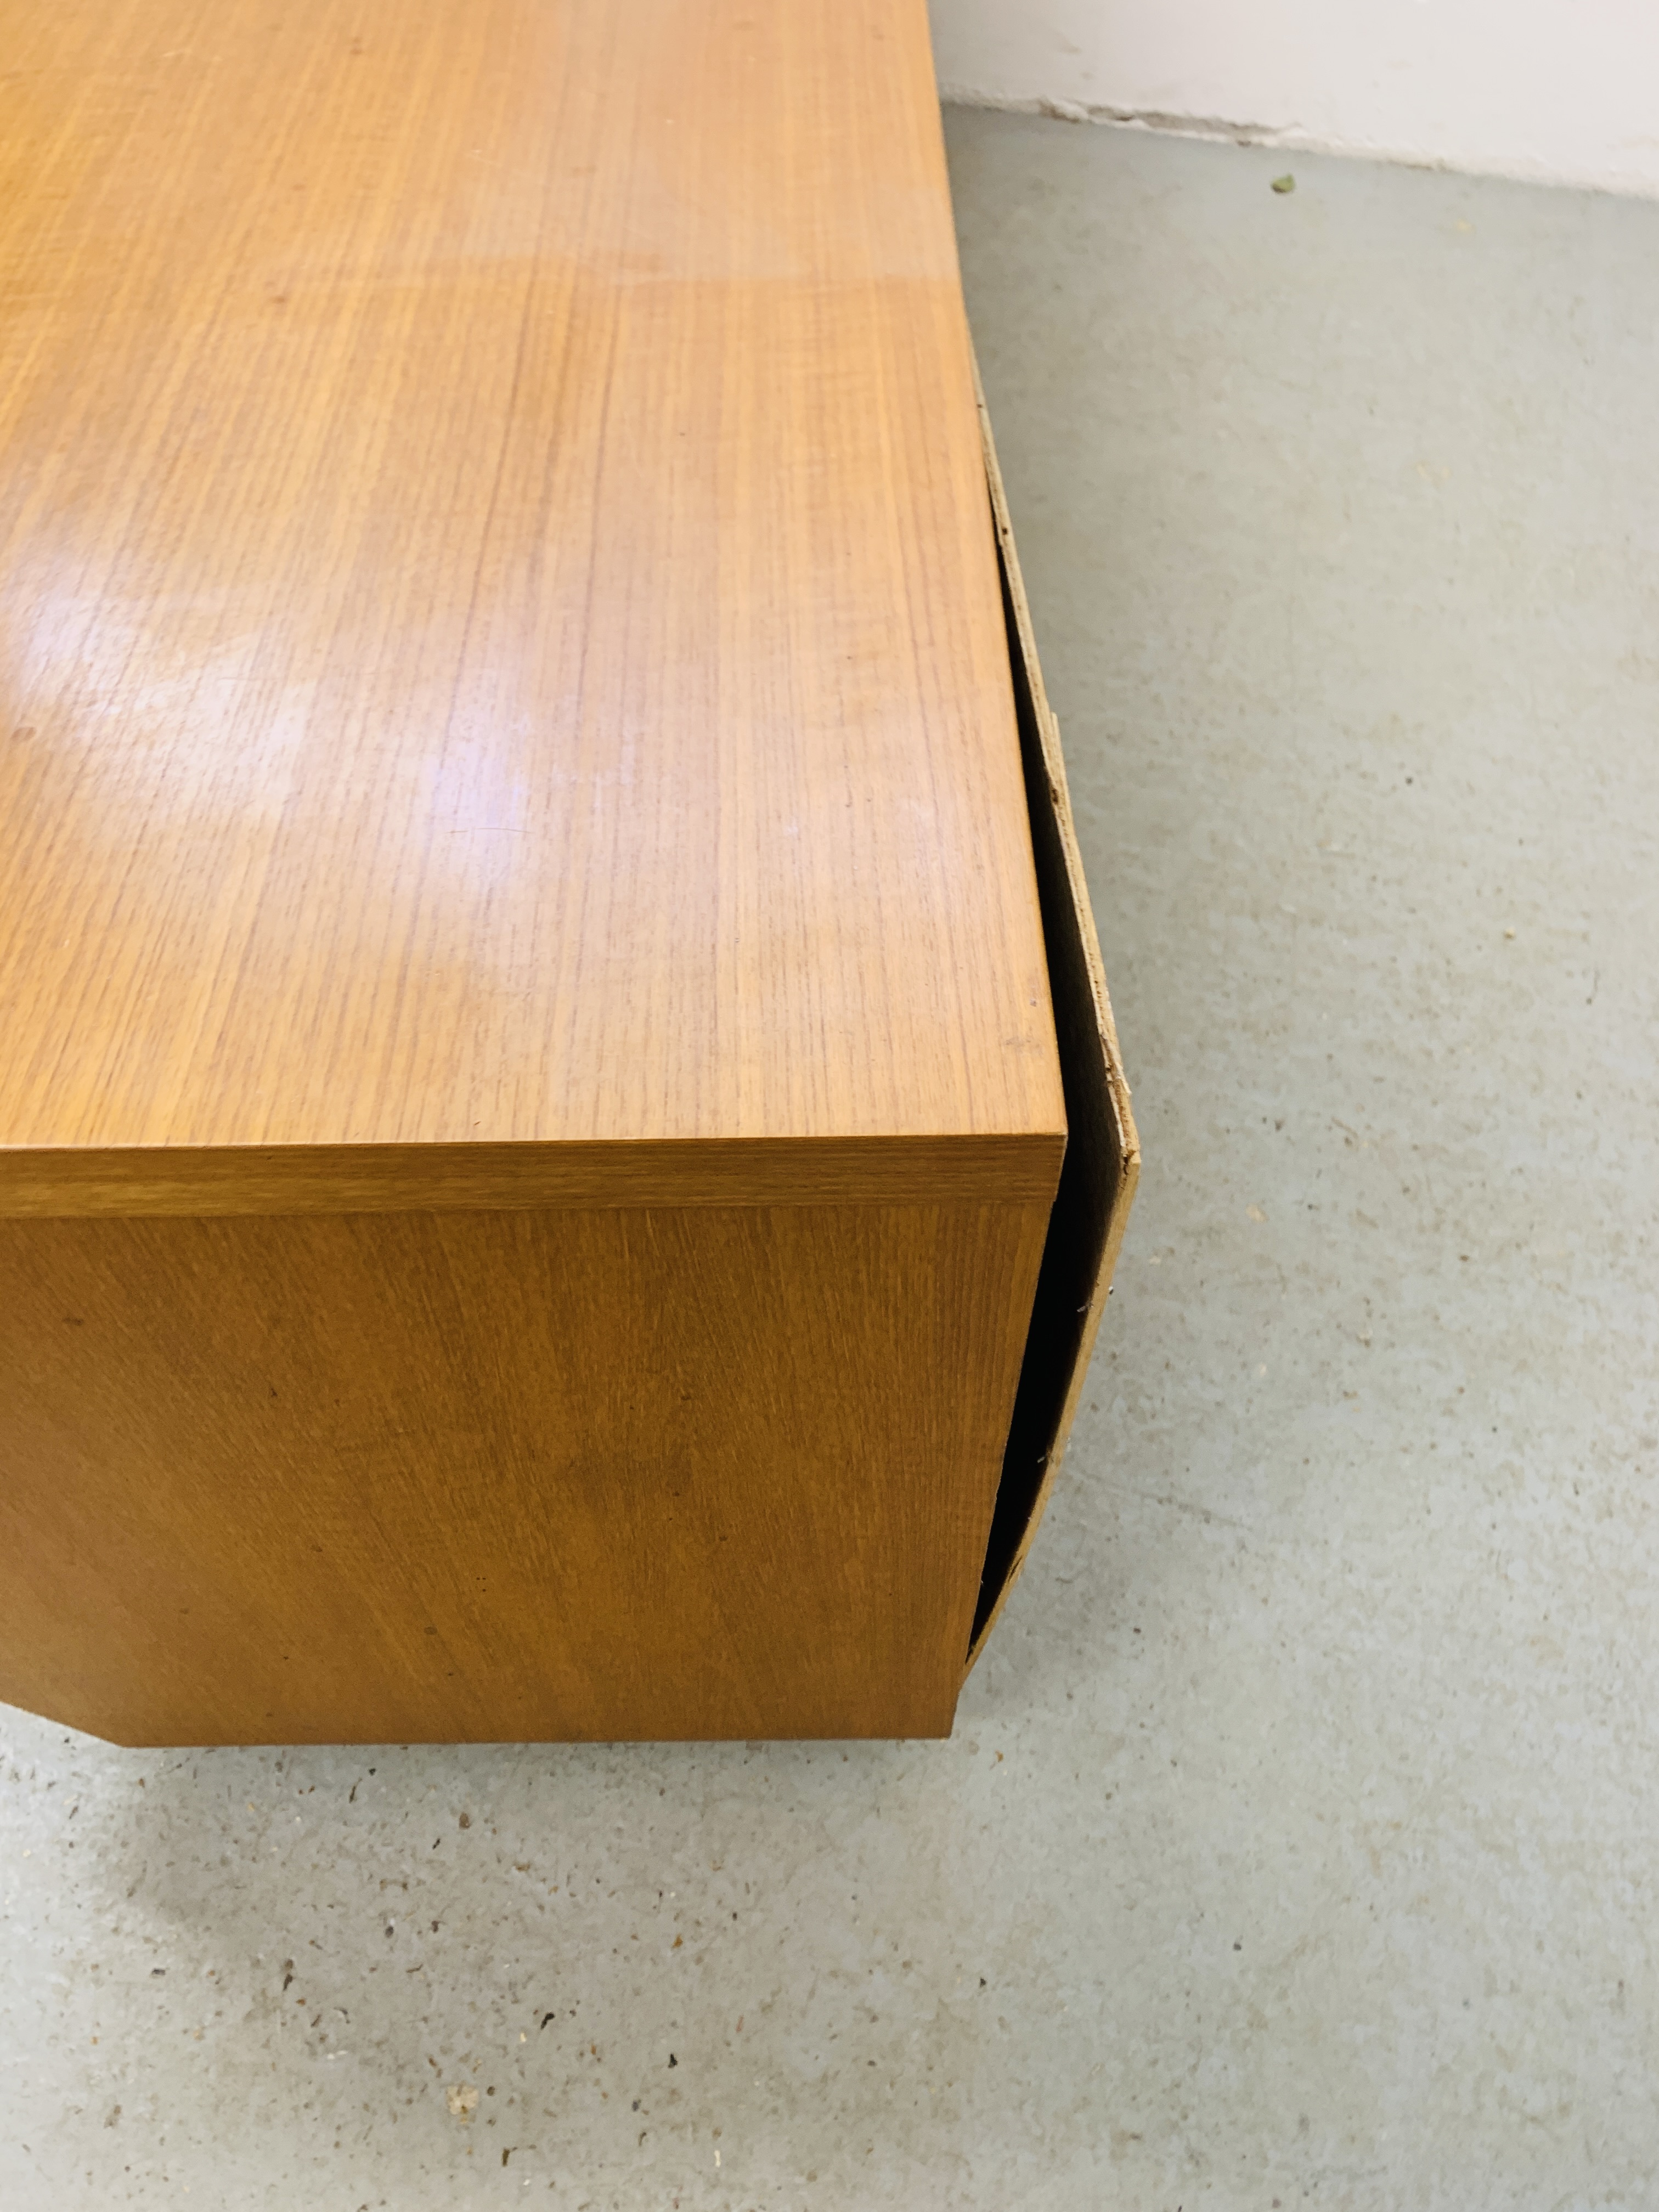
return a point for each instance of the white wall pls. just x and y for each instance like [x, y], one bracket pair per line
[1562, 90]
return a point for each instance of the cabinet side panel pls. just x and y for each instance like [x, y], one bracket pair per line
[1103, 1157]
[503, 1475]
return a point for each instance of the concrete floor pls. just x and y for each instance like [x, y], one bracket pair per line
[1299, 1839]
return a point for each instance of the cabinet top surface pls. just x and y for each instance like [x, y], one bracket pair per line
[501, 635]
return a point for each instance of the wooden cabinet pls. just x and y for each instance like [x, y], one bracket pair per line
[531, 1101]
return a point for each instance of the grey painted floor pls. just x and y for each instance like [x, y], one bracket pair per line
[1299, 1840]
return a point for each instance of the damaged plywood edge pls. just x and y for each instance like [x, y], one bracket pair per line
[1102, 1156]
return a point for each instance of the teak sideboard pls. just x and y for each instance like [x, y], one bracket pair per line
[545, 977]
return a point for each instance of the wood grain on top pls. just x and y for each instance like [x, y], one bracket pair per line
[500, 637]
